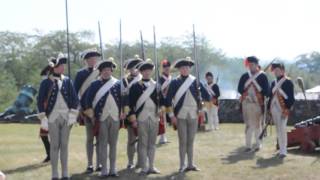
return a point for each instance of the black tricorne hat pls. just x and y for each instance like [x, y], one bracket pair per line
[90, 53]
[132, 63]
[55, 62]
[184, 62]
[144, 65]
[107, 63]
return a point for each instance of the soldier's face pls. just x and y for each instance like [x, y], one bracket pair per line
[134, 71]
[209, 79]
[106, 73]
[253, 67]
[91, 62]
[59, 69]
[184, 70]
[166, 70]
[146, 74]
[278, 72]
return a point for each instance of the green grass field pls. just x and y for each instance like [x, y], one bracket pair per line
[219, 155]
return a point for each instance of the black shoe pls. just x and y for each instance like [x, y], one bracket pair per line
[89, 170]
[247, 150]
[54, 178]
[98, 168]
[65, 178]
[130, 166]
[282, 156]
[143, 173]
[113, 175]
[47, 159]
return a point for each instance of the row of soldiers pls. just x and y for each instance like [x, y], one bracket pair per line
[97, 100]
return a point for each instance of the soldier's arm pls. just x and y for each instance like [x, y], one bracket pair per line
[216, 90]
[132, 103]
[74, 96]
[168, 101]
[88, 101]
[290, 94]
[265, 86]
[241, 85]
[42, 96]
[77, 82]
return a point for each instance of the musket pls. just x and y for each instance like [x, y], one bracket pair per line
[100, 39]
[197, 70]
[68, 50]
[157, 74]
[121, 72]
[264, 130]
[142, 47]
[268, 65]
[217, 79]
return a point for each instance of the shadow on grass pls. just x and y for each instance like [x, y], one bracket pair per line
[299, 152]
[25, 168]
[126, 174]
[268, 162]
[238, 155]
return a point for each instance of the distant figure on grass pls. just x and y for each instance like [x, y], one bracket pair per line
[165, 80]
[212, 111]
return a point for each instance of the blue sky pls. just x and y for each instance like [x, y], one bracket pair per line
[265, 28]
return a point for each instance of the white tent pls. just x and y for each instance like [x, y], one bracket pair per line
[314, 90]
[313, 93]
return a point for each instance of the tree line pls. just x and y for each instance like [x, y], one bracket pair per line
[22, 56]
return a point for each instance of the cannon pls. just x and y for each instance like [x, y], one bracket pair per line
[21, 106]
[306, 135]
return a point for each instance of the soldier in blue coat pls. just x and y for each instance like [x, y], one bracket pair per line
[280, 103]
[165, 80]
[103, 105]
[133, 77]
[182, 106]
[143, 100]
[254, 89]
[83, 79]
[214, 91]
[57, 105]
